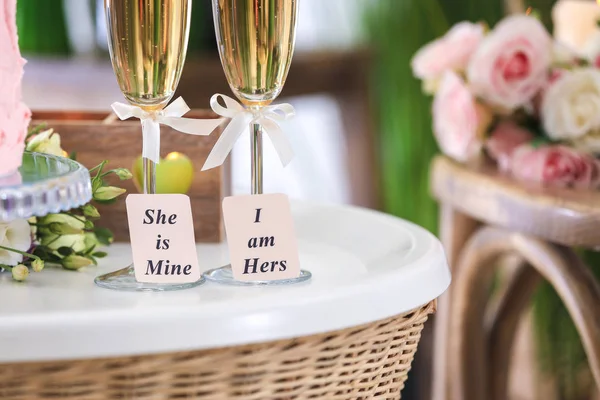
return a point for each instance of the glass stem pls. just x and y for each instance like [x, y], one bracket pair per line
[257, 158]
[149, 176]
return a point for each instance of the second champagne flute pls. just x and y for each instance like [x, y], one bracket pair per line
[148, 44]
[256, 43]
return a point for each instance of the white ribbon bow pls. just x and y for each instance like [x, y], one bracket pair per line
[268, 117]
[170, 116]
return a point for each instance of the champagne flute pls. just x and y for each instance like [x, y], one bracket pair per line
[148, 44]
[256, 43]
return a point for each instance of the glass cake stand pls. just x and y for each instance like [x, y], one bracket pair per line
[44, 184]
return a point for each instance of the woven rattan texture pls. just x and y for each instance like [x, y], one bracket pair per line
[361, 363]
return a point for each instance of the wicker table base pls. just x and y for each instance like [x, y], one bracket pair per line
[360, 363]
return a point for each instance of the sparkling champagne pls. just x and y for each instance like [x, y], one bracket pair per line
[148, 43]
[256, 43]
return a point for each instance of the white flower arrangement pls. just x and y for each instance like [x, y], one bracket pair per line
[69, 239]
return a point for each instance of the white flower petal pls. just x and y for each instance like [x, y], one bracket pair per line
[18, 235]
[15, 235]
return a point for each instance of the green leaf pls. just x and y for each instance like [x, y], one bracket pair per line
[89, 251]
[540, 141]
[97, 183]
[90, 211]
[100, 254]
[403, 113]
[105, 202]
[65, 251]
[99, 168]
[37, 129]
[41, 251]
[104, 235]
[46, 254]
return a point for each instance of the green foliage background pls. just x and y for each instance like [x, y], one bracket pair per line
[397, 29]
[42, 27]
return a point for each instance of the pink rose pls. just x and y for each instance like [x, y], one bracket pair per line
[557, 165]
[451, 52]
[458, 120]
[511, 65]
[505, 138]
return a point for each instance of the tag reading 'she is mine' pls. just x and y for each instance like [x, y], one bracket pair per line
[162, 238]
[261, 238]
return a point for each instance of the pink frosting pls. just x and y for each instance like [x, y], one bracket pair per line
[14, 114]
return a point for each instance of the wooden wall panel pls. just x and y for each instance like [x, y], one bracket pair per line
[96, 137]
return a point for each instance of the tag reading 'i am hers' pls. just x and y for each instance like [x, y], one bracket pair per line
[261, 238]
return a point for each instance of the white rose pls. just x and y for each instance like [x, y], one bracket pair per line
[571, 105]
[15, 235]
[591, 50]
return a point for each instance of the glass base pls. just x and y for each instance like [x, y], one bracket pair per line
[224, 275]
[124, 280]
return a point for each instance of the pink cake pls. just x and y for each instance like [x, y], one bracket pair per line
[14, 114]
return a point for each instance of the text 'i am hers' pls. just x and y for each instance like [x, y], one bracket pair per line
[256, 265]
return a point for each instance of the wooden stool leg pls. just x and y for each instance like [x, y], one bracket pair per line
[467, 364]
[455, 230]
[502, 323]
[468, 345]
[576, 286]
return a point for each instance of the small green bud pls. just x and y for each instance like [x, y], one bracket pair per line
[74, 224]
[20, 272]
[75, 262]
[90, 240]
[90, 211]
[123, 173]
[59, 228]
[108, 193]
[46, 142]
[37, 264]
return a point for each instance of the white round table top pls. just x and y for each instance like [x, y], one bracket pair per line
[366, 266]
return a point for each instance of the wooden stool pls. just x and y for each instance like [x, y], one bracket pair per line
[485, 215]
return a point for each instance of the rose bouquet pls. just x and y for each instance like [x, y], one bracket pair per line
[69, 239]
[518, 97]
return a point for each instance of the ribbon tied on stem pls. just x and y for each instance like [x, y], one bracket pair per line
[170, 116]
[267, 117]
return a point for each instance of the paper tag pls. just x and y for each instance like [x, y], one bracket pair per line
[162, 238]
[261, 237]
